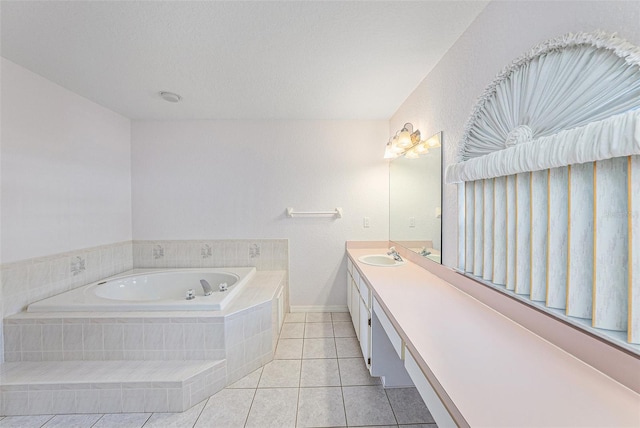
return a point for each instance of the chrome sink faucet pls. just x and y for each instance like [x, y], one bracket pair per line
[206, 287]
[393, 253]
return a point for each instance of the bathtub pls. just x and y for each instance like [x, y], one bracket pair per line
[151, 290]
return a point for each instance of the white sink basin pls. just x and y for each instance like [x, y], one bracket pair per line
[380, 260]
[434, 257]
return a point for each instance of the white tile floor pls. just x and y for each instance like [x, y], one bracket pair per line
[317, 379]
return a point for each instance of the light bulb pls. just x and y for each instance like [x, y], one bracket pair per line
[404, 139]
[411, 154]
[422, 149]
[434, 141]
[395, 147]
[389, 152]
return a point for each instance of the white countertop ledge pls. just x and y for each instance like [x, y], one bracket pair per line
[497, 373]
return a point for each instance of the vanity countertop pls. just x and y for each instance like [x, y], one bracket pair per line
[496, 372]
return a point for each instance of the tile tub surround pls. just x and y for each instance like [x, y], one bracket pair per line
[28, 281]
[244, 333]
[263, 254]
[102, 336]
[247, 403]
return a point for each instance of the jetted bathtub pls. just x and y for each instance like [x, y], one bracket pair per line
[151, 290]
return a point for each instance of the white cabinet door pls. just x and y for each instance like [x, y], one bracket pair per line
[365, 294]
[365, 332]
[355, 308]
[349, 280]
[350, 292]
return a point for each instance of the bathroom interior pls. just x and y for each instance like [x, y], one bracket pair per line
[319, 213]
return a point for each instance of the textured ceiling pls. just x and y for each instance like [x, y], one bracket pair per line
[236, 60]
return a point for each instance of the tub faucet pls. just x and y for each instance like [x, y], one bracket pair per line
[206, 287]
[393, 253]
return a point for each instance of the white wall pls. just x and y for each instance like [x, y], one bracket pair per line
[502, 32]
[1, 291]
[234, 180]
[66, 169]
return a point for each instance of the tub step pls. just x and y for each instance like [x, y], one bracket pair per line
[56, 387]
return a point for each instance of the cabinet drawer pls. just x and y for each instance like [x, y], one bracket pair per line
[393, 335]
[428, 394]
[356, 277]
[349, 266]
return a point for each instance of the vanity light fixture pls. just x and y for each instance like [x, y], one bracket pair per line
[170, 96]
[407, 143]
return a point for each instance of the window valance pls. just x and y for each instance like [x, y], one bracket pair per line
[571, 91]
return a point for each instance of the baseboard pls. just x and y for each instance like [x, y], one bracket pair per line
[319, 308]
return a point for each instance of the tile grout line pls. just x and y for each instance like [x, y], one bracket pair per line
[146, 420]
[344, 405]
[47, 421]
[304, 328]
[299, 382]
[390, 405]
[201, 410]
[255, 391]
[98, 420]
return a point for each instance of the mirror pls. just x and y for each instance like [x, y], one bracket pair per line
[415, 201]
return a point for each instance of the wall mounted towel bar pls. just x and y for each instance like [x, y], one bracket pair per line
[336, 212]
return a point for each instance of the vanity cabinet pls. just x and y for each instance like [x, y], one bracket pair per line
[359, 303]
[429, 333]
[383, 348]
